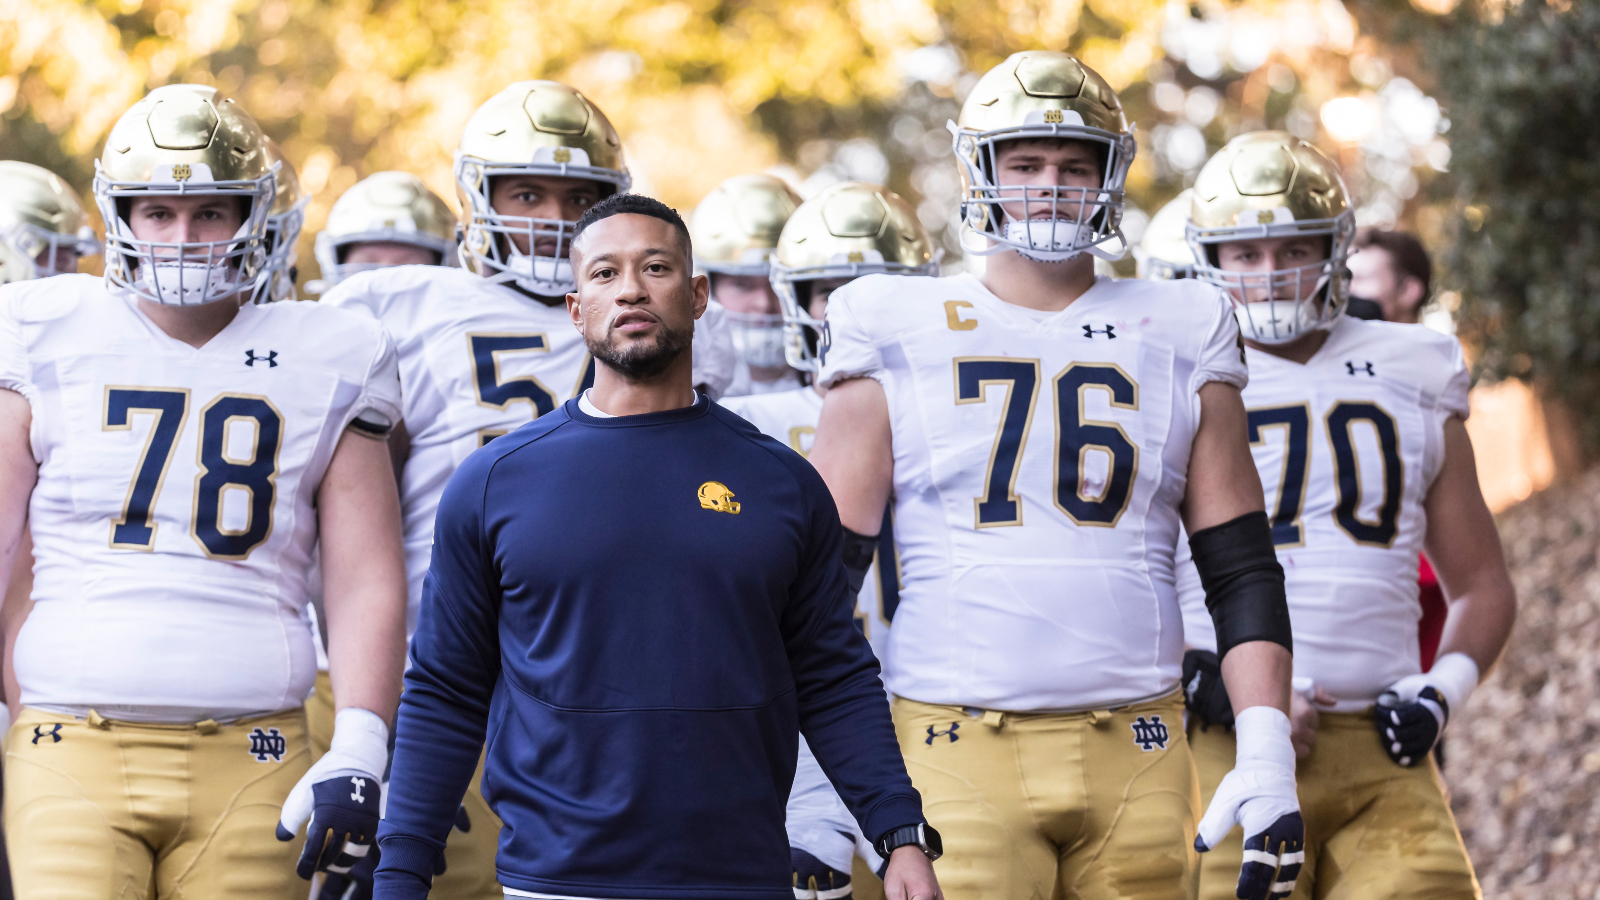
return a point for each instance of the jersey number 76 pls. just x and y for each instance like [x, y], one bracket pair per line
[1075, 437]
[255, 475]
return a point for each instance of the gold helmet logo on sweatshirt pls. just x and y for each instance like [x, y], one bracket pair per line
[714, 495]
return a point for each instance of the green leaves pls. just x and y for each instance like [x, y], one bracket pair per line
[1524, 101]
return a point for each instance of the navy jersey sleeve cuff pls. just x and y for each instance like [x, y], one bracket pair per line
[892, 813]
[405, 871]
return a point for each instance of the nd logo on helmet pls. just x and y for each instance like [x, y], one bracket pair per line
[715, 495]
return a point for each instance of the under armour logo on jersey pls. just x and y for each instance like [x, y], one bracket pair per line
[356, 794]
[1110, 331]
[54, 734]
[269, 745]
[1150, 735]
[1365, 367]
[271, 359]
[948, 732]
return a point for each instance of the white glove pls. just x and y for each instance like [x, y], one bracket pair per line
[341, 795]
[1259, 794]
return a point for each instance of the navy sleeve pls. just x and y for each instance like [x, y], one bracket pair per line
[844, 712]
[455, 664]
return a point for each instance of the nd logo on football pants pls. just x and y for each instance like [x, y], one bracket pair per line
[1100, 805]
[468, 856]
[98, 809]
[1374, 830]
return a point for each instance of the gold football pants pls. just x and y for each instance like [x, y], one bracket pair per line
[1032, 806]
[1374, 830]
[469, 856]
[97, 809]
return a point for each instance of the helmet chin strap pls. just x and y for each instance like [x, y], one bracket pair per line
[1020, 235]
[546, 276]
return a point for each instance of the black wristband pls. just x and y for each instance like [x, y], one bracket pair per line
[1243, 581]
[858, 552]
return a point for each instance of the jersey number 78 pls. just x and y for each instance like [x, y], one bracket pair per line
[255, 474]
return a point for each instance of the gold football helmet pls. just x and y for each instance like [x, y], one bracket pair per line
[1163, 253]
[389, 207]
[283, 231]
[42, 224]
[715, 495]
[1271, 184]
[735, 231]
[735, 228]
[1032, 95]
[849, 230]
[531, 128]
[185, 139]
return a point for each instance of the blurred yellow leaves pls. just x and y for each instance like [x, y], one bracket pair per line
[349, 87]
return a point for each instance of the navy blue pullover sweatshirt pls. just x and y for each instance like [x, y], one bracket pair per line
[640, 613]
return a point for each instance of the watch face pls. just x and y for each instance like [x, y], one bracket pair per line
[933, 844]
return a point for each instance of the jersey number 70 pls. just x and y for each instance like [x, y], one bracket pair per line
[1075, 437]
[255, 475]
[1295, 420]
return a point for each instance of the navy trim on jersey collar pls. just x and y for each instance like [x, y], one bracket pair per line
[701, 406]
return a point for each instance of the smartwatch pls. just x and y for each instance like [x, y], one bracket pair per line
[922, 836]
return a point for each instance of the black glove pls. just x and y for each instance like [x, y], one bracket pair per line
[463, 823]
[1272, 860]
[814, 880]
[1409, 730]
[355, 884]
[344, 825]
[1204, 694]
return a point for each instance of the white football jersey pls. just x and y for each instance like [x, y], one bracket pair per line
[173, 520]
[790, 418]
[1348, 446]
[477, 360]
[817, 820]
[1039, 462]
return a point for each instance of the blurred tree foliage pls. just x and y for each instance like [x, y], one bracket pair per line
[1523, 85]
[699, 89]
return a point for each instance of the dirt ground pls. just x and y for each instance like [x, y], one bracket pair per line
[1523, 763]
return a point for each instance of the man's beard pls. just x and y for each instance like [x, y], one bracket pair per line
[641, 360]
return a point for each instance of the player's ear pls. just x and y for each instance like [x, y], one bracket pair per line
[1411, 293]
[700, 287]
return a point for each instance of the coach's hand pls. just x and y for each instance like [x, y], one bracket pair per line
[910, 876]
[340, 795]
[1259, 794]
